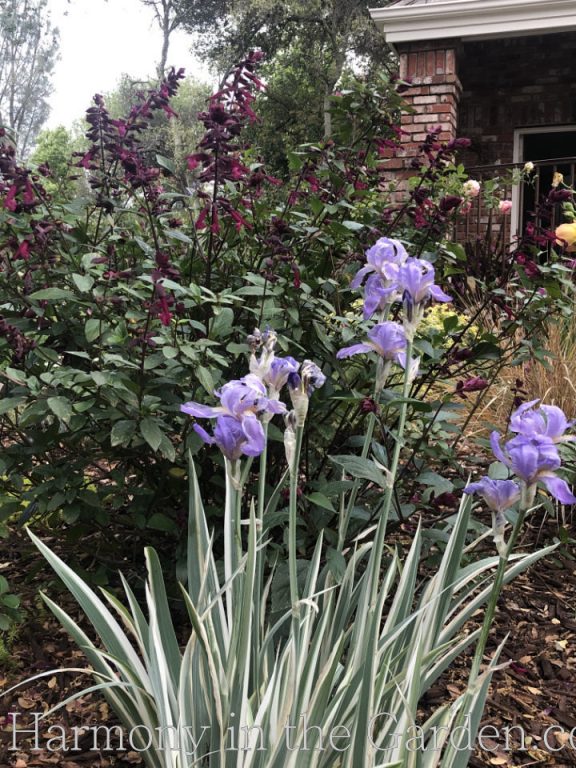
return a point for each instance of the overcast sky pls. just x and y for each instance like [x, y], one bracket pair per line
[100, 40]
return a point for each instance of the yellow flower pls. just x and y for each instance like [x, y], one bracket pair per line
[566, 235]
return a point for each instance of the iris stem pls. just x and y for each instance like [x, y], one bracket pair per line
[293, 520]
[257, 598]
[494, 597]
[367, 622]
[293, 565]
[345, 519]
[378, 546]
[232, 544]
[527, 495]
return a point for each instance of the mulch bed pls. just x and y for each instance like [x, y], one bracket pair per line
[535, 695]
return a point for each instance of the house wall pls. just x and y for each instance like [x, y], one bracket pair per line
[514, 83]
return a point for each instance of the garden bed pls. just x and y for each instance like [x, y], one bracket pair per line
[536, 694]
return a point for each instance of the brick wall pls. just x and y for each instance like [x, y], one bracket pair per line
[434, 95]
[520, 82]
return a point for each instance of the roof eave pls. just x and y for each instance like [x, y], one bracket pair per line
[474, 20]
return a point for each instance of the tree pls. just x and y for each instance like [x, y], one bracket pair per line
[54, 154]
[28, 52]
[169, 18]
[323, 34]
[173, 138]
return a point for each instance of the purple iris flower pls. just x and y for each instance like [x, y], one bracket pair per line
[309, 378]
[416, 280]
[534, 459]
[301, 386]
[379, 294]
[266, 342]
[280, 370]
[383, 258]
[235, 437]
[238, 398]
[387, 339]
[500, 495]
[546, 421]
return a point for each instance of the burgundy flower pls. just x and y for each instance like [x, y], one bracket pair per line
[475, 384]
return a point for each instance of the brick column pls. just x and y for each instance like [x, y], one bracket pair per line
[434, 95]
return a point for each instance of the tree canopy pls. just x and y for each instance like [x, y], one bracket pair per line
[28, 51]
[317, 39]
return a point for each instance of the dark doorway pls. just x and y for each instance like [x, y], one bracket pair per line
[552, 152]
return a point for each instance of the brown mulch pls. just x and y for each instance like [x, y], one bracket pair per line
[534, 696]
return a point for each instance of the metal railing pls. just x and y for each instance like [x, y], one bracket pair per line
[525, 197]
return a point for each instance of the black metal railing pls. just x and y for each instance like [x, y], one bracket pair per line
[526, 196]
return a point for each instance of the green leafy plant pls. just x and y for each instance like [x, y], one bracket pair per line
[352, 655]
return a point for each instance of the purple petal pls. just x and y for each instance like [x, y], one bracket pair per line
[371, 304]
[360, 275]
[558, 488]
[255, 438]
[355, 349]
[498, 494]
[524, 407]
[201, 411]
[556, 422]
[229, 436]
[438, 294]
[496, 450]
[524, 458]
[275, 406]
[203, 434]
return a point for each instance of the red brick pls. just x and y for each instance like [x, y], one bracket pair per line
[403, 68]
[425, 100]
[441, 109]
[444, 88]
[441, 62]
[395, 163]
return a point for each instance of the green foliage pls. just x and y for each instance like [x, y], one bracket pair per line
[137, 296]
[344, 659]
[9, 605]
[172, 138]
[54, 150]
[307, 42]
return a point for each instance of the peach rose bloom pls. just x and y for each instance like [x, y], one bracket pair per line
[505, 206]
[566, 235]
